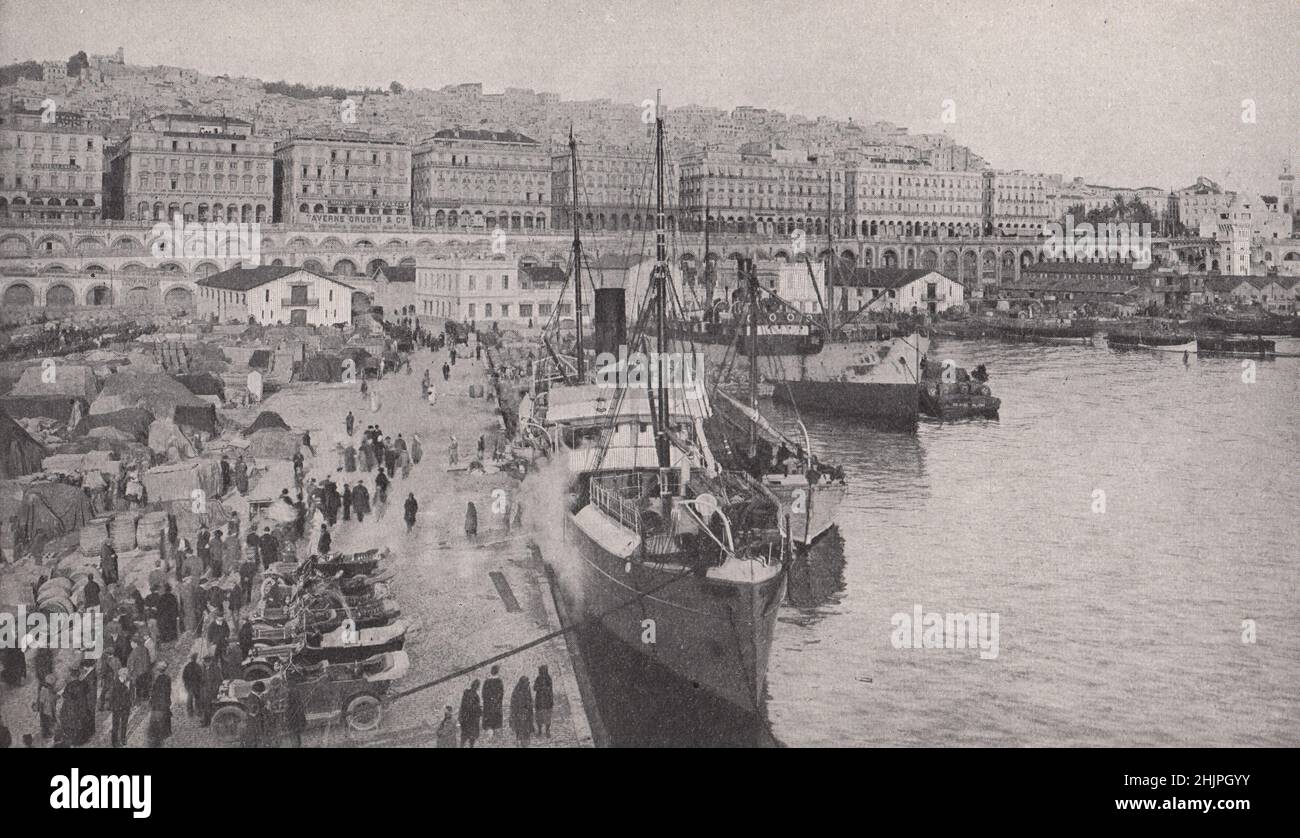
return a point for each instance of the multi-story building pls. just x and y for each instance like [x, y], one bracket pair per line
[346, 182]
[616, 188]
[911, 290]
[768, 190]
[202, 167]
[481, 180]
[274, 294]
[1015, 203]
[1201, 204]
[485, 291]
[888, 198]
[51, 165]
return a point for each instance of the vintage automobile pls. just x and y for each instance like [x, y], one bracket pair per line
[342, 645]
[351, 693]
[301, 621]
[275, 606]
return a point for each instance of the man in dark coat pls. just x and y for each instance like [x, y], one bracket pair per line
[241, 476]
[108, 563]
[471, 714]
[494, 695]
[521, 712]
[347, 502]
[218, 635]
[160, 707]
[543, 700]
[168, 609]
[211, 683]
[348, 423]
[120, 702]
[245, 638]
[324, 541]
[361, 501]
[270, 548]
[192, 680]
[74, 712]
[226, 475]
[412, 506]
[381, 488]
[90, 594]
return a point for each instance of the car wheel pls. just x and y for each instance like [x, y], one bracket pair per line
[363, 713]
[228, 724]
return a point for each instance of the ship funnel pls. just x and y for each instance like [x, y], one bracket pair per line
[610, 320]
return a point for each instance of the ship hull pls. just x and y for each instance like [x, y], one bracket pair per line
[819, 505]
[712, 635]
[888, 405]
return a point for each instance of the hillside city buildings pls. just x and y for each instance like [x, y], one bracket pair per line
[114, 142]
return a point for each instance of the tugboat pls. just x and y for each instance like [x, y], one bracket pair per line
[1156, 341]
[951, 392]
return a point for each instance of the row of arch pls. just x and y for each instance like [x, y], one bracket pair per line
[22, 294]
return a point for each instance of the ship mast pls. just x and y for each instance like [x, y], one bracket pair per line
[830, 260]
[577, 258]
[753, 354]
[708, 281]
[662, 443]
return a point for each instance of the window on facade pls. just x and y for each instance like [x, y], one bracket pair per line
[471, 311]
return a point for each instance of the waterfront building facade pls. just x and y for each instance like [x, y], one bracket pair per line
[1016, 204]
[616, 188]
[764, 190]
[51, 166]
[480, 181]
[274, 295]
[204, 168]
[343, 182]
[892, 198]
[487, 291]
[902, 290]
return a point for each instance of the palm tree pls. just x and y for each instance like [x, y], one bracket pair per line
[1120, 207]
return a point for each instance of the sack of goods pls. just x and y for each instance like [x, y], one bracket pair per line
[121, 531]
[93, 536]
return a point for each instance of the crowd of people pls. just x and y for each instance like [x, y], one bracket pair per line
[483, 711]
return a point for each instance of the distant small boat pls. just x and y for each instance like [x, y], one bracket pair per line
[1154, 342]
[966, 398]
[1252, 347]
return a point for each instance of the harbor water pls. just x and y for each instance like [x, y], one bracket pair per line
[1122, 616]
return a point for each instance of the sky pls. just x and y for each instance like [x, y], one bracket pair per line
[1136, 93]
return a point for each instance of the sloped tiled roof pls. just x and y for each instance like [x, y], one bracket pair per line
[882, 277]
[244, 279]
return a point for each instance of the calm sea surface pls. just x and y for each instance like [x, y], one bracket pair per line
[1115, 628]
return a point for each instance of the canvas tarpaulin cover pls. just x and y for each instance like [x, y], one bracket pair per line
[267, 419]
[321, 367]
[163, 434]
[158, 393]
[19, 453]
[203, 384]
[274, 444]
[135, 421]
[62, 408]
[196, 417]
[179, 481]
[50, 510]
